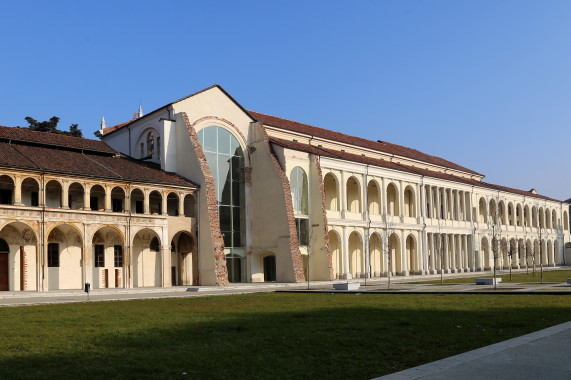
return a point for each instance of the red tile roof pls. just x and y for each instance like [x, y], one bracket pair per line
[25, 149]
[385, 147]
[54, 139]
[400, 167]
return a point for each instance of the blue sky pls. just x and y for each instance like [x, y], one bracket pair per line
[485, 84]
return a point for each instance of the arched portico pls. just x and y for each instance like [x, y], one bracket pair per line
[18, 257]
[108, 258]
[147, 259]
[184, 259]
[336, 254]
[64, 258]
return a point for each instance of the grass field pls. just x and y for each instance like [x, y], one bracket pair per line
[548, 276]
[262, 335]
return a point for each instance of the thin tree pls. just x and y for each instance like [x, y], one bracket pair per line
[386, 247]
[513, 249]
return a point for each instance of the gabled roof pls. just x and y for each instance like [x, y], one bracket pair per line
[324, 152]
[53, 139]
[385, 147]
[113, 128]
[54, 153]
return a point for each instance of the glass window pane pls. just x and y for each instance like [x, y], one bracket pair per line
[236, 196]
[236, 218]
[224, 141]
[225, 218]
[223, 167]
[227, 235]
[226, 193]
[209, 139]
[235, 148]
[237, 241]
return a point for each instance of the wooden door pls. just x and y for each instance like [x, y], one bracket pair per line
[4, 271]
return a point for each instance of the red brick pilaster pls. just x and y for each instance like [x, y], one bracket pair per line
[215, 234]
[324, 213]
[293, 240]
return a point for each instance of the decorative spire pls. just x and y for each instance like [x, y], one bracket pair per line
[102, 122]
[140, 111]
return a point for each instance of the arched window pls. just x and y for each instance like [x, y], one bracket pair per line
[226, 162]
[331, 193]
[150, 144]
[154, 246]
[299, 191]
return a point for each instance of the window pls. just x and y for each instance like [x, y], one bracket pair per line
[299, 191]
[226, 162]
[53, 254]
[117, 205]
[99, 259]
[118, 256]
[35, 198]
[93, 203]
[139, 207]
[150, 144]
[302, 226]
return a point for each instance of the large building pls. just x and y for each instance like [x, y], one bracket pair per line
[203, 191]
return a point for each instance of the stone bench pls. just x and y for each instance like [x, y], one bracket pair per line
[487, 281]
[347, 286]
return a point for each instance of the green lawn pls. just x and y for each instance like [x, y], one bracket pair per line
[274, 335]
[548, 276]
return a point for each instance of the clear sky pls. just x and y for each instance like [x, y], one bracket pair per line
[485, 84]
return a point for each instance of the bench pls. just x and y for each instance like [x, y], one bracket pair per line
[487, 281]
[347, 286]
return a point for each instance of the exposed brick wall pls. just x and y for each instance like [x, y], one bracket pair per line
[324, 213]
[293, 239]
[215, 234]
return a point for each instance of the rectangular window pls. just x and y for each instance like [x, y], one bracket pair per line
[302, 226]
[93, 203]
[117, 205]
[34, 198]
[53, 255]
[118, 256]
[99, 258]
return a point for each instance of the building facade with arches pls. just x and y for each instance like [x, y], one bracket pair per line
[75, 211]
[285, 201]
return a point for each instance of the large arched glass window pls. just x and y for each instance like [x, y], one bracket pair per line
[298, 185]
[226, 161]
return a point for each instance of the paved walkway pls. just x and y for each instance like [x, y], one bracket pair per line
[544, 354]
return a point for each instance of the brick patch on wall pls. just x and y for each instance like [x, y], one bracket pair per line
[215, 235]
[293, 240]
[324, 213]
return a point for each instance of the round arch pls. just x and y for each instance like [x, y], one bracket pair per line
[184, 259]
[409, 202]
[353, 188]
[30, 190]
[411, 254]
[392, 200]
[18, 257]
[356, 263]
[335, 247]
[395, 265]
[376, 254]
[331, 190]
[146, 258]
[374, 197]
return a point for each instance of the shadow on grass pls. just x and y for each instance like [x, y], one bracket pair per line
[265, 336]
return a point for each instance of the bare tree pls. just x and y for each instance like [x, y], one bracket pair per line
[511, 252]
[386, 246]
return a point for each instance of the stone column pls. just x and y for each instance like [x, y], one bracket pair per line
[400, 195]
[453, 253]
[108, 198]
[164, 197]
[65, 195]
[18, 191]
[146, 202]
[86, 196]
[458, 205]
[346, 273]
[438, 203]
[430, 213]
[180, 204]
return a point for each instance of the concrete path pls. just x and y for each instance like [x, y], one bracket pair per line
[544, 354]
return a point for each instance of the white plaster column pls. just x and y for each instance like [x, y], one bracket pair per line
[400, 195]
[453, 253]
[458, 205]
[445, 202]
[431, 203]
[18, 191]
[432, 247]
[383, 197]
[466, 255]
[86, 196]
[346, 273]
[164, 203]
[438, 203]
[403, 254]
[146, 202]
[108, 198]
[343, 192]
[180, 204]
[446, 256]
[64, 195]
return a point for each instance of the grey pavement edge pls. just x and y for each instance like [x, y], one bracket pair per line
[544, 354]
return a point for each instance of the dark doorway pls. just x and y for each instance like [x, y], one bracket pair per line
[4, 249]
[234, 267]
[270, 268]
